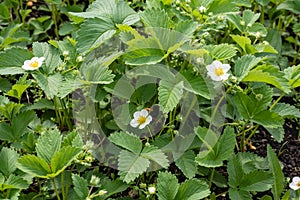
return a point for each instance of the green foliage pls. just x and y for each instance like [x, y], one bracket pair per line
[8, 160]
[186, 163]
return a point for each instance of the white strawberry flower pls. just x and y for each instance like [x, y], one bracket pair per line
[151, 190]
[33, 64]
[295, 184]
[218, 71]
[141, 119]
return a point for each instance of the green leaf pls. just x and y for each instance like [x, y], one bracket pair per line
[293, 76]
[239, 194]
[33, 165]
[221, 51]
[193, 189]
[244, 43]
[80, 186]
[187, 27]
[244, 64]
[49, 84]
[222, 6]
[131, 165]
[155, 154]
[8, 160]
[277, 133]
[286, 110]
[291, 5]
[257, 181]
[221, 151]
[96, 72]
[235, 172]
[117, 11]
[52, 57]
[128, 141]
[113, 187]
[20, 122]
[167, 186]
[14, 182]
[72, 139]
[169, 94]
[186, 163]
[197, 85]
[155, 18]
[93, 32]
[263, 2]
[275, 168]
[268, 119]
[63, 158]
[9, 66]
[268, 74]
[48, 144]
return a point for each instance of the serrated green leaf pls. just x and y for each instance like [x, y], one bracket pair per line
[13, 66]
[239, 194]
[268, 119]
[49, 84]
[186, 163]
[276, 79]
[14, 182]
[286, 110]
[277, 133]
[113, 187]
[197, 85]
[95, 72]
[293, 76]
[72, 139]
[291, 5]
[155, 18]
[131, 165]
[235, 172]
[256, 181]
[169, 94]
[48, 144]
[187, 27]
[63, 158]
[52, 57]
[222, 6]
[221, 51]
[278, 184]
[167, 186]
[93, 32]
[80, 186]
[193, 189]
[33, 165]
[127, 141]
[221, 151]
[244, 64]
[242, 41]
[156, 155]
[20, 122]
[8, 160]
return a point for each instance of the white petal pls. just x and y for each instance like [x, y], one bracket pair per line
[41, 59]
[294, 186]
[144, 113]
[226, 68]
[142, 125]
[137, 115]
[224, 77]
[217, 63]
[214, 77]
[148, 119]
[134, 123]
[296, 179]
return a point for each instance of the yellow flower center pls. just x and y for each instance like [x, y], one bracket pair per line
[298, 184]
[219, 71]
[34, 64]
[141, 120]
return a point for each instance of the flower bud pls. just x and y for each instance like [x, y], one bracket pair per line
[94, 180]
[151, 190]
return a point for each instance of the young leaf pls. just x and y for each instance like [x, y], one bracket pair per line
[14, 182]
[131, 165]
[293, 75]
[8, 160]
[286, 110]
[193, 189]
[221, 51]
[80, 186]
[52, 57]
[155, 18]
[127, 141]
[169, 94]
[186, 163]
[33, 165]
[63, 158]
[167, 186]
[48, 144]
[278, 184]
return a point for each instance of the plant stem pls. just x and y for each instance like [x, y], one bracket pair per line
[211, 177]
[55, 189]
[62, 185]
